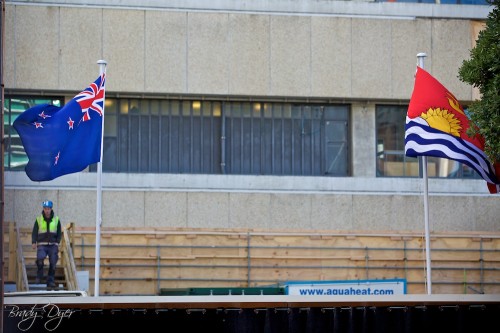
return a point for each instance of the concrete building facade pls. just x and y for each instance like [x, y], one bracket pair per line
[359, 55]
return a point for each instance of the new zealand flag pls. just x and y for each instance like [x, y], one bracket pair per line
[63, 140]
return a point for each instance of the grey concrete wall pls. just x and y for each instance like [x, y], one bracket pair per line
[176, 52]
[354, 59]
[363, 143]
[294, 7]
[291, 210]
[257, 202]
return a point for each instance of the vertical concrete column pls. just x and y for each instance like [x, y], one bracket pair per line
[363, 139]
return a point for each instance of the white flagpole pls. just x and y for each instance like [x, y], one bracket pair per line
[102, 69]
[421, 57]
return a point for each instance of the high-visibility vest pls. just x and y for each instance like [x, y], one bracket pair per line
[42, 225]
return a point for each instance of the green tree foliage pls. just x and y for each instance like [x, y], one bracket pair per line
[483, 71]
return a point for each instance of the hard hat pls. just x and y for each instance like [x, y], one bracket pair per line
[47, 203]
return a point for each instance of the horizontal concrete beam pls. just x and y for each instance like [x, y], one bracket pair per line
[288, 7]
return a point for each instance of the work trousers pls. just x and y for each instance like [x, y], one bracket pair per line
[43, 251]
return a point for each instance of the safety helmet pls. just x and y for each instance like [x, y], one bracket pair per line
[47, 203]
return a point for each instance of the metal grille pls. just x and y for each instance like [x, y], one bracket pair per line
[213, 137]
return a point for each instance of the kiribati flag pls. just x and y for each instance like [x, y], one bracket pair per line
[436, 125]
[63, 140]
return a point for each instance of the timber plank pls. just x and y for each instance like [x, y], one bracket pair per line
[134, 258]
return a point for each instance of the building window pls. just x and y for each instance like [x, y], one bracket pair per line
[14, 157]
[285, 139]
[225, 137]
[390, 150]
[209, 137]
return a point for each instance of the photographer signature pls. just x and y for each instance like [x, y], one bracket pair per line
[50, 314]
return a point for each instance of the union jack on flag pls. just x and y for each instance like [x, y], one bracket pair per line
[92, 99]
[63, 140]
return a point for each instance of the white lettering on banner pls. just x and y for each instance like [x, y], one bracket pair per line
[333, 288]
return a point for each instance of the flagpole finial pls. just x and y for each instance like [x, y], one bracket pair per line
[420, 59]
[102, 65]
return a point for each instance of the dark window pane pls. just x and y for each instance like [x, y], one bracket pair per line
[155, 145]
[213, 137]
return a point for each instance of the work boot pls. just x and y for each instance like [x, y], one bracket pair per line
[51, 284]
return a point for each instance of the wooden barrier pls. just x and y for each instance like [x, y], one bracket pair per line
[143, 261]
